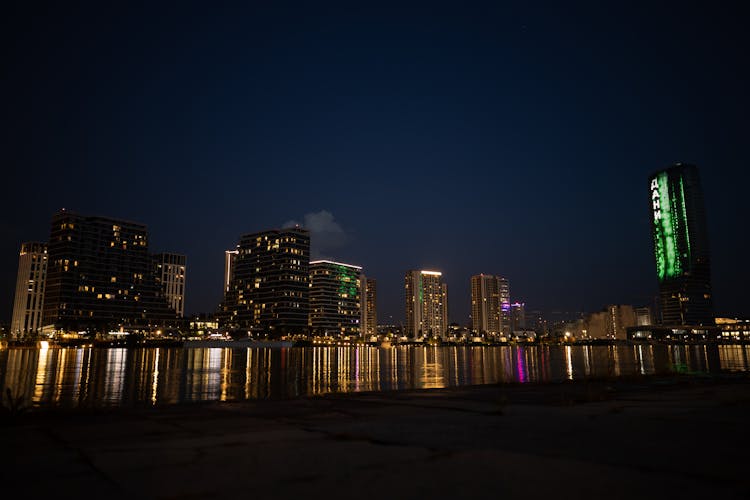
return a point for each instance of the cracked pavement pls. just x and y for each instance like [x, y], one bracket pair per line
[682, 436]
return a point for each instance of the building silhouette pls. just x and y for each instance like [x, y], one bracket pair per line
[517, 316]
[30, 285]
[681, 251]
[230, 256]
[169, 271]
[100, 276]
[486, 306]
[426, 304]
[335, 298]
[369, 323]
[268, 289]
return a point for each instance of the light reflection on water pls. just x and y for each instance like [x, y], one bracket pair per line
[86, 376]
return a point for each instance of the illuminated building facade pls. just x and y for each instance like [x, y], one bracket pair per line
[369, 323]
[100, 276]
[30, 285]
[517, 316]
[505, 323]
[426, 304]
[486, 307]
[643, 316]
[229, 258]
[270, 283]
[678, 224]
[169, 271]
[611, 323]
[335, 298]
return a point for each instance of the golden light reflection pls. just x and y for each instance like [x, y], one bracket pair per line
[52, 375]
[155, 377]
[114, 374]
[41, 371]
[569, 361]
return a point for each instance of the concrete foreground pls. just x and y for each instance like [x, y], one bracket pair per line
[680, 437]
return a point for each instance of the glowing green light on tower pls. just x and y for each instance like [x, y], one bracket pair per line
[669, 218]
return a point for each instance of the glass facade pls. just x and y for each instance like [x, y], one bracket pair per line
[681, 246]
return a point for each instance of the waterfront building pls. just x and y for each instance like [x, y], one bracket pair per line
[505, 322]
[227, 312]
[734, 329]
[369, 322]
[610, 323]
[518, 316]
[391, 330]
[169, 271]
[486, 306]
[426, 304]
[535, 321]
[643, 316]
[100, 276]
[335, 298]
[202, 325]
[681, 250]
[30, 284]
[230, 256]
[270, 281]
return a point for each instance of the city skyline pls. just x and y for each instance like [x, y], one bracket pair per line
[507, 140]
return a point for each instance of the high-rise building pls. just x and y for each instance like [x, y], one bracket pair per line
[426, 304]
[230, 256]
[30, 284]
[169, 271]
[270, 282]
[486, 310]
[369, 324]
[517, 316]
[227, 313]
[335, 298]
[100, 276]
[681, 250]
[505, 320]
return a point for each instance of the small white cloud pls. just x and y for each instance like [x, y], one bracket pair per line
[325, 233]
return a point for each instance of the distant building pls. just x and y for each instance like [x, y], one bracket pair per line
[30, 285]
[734, 329]
[643, 316]
[230, 256]
[611, 323]
[100, 276]
[335, 298]
[518, 316]
[536, 321]
[270, 283]
[369, 323]
[505, 321]
[681, 246]
[486, 312]
[394, 330]
[202, 325]
[426, 304]
[169, 270]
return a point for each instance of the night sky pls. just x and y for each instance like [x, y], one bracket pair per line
[508, 140]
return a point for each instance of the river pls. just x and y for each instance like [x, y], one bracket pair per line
[111, 377]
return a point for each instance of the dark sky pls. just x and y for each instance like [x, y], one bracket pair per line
[504, 139]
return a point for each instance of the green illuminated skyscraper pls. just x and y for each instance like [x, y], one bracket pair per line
[678, 223]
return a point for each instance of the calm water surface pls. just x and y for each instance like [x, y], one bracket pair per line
[90, 377]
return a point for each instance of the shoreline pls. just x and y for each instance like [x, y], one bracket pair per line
[544, 393]
[274, 344]
[665, 436]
